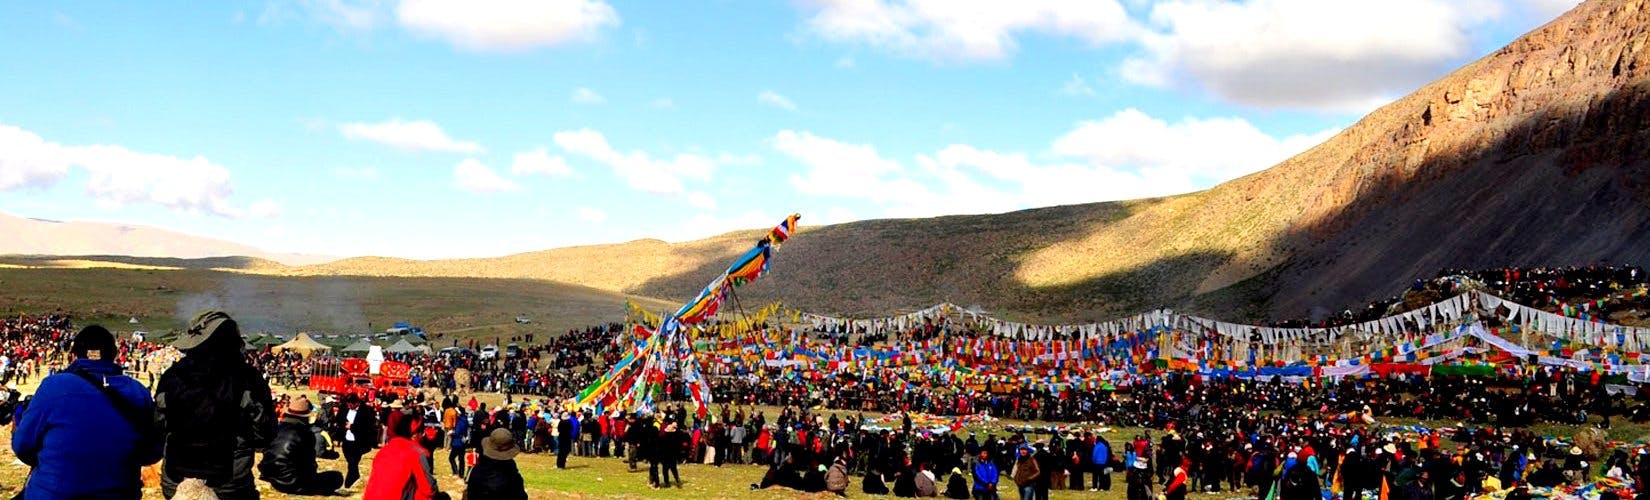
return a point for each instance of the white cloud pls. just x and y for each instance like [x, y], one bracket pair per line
[121, 176]
[1128, 155]
[663, 103]
[591, 214]
[1211, 150]
[772, 98]
[845, 62]
[1545, 10]
[701, 200]
[507, 25]
[584, 95]
[963, 29]
[836, 168]
[638, 169]
[744, 160]
[471, 175]
[1310, 54]
[116, 176]
[539, 161]
[265, 209]
[1077, 87]
[27, 161]
[416, 135]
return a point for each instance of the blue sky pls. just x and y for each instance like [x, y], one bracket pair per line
[427, 128]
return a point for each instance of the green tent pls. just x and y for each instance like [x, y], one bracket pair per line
[360, 345]
[268, 341]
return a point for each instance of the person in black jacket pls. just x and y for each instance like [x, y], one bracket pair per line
[289, 463]
[956, 488]
[1048, 462]
[564, 439]
[669, 451]
[358, 426]
[495, 475]
[214, 410]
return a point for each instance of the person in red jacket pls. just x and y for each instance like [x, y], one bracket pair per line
[1176, 488]
[402, 468]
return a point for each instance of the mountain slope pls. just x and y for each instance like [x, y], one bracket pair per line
[1533, 155]
[76, 238]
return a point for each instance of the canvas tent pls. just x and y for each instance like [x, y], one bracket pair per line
[404, 347]
[360, 345]
[302, 345]
[265, 341]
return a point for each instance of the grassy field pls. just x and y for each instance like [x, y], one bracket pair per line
[162, 299]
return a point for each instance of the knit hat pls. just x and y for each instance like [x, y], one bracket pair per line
[499, 445]
[298, 411]
[203, 327]
[94, 342]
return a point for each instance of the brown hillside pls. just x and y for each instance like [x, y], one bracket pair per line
[1534, 154]
[39, 237]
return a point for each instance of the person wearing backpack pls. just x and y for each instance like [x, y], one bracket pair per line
[213, 410]
[87, 432]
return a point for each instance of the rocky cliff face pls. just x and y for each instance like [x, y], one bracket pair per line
[1536, 154]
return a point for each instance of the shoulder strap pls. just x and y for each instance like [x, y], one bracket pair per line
[133, 414]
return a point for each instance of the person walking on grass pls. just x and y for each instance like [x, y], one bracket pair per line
[358, 425]
[673, 445]
[458, 440]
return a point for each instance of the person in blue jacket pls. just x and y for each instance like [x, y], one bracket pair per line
[1101, 460]
[87, 431]
[985, 478]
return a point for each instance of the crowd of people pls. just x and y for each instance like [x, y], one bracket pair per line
[212, 412]
[89, 427]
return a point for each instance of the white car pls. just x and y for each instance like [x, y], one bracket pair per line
[489, 352]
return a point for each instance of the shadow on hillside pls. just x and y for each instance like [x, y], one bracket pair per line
[166, 299]
[1568, 186]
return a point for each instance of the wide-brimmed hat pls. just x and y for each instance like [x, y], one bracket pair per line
[203, 327]
[500, 445]
[1575, 450]
[298, 411]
